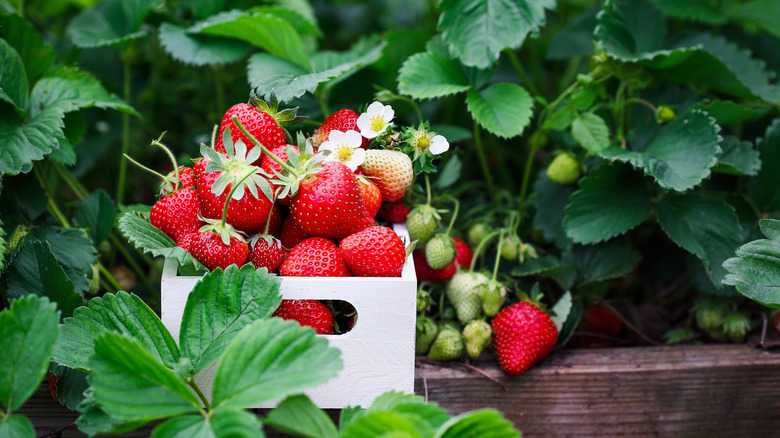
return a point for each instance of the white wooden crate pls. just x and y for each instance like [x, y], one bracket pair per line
[378, 353]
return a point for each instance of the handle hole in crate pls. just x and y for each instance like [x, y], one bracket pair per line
[344, 315]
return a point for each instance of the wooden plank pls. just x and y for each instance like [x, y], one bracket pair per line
[691, 391]
[708, 390]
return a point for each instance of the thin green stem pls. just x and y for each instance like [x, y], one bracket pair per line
[428, 189]
[454, 216]
[265, 150]
[199, 393]
[520, 71]
[154, 172]
[536, 141]
[122, 179]
[233, 190]
[644, 102]
[51, 204]
[481, 248]
[498, 255]
[414, 106]
[105, 273]
[75, 186]
[172, 158]
[483, 160]
[619, 109]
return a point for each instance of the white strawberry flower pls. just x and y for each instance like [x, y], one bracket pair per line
[424, 141]
[344, 147]
[375, 120]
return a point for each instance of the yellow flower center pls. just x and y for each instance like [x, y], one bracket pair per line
[423, 142]
[377, 123]
[344, 153]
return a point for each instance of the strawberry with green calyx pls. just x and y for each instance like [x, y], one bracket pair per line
[423, 220]
[217, 173]
[523, 335]
[391, 171]
[440, 250]
[477, 233]
[709, 314]
[218, 244]
[375, 251]
[463, 293]
[425, 333]
[424, 299]
[260, 123]
[509, 248]
[448, 345]
[308, 313]
[664, 114]
[477, 335]
[342, 120]
[564, 169]
[492, 293]
[266, 250]
[326, 198]
[315, 257]
[423, 145]
[736, 326]
[271, 167]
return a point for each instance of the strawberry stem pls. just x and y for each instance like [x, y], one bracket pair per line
[157, 143]
[265, 149]
[428, 188]
[454, 212]
[230, 194]
[481, 248]
[144, 167]
[270, 213]
[498, 255]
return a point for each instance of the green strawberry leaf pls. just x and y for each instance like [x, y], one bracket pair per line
[223, 423]
[603, 261]
[763, 13]
[561, 310]
[485, 422]
[298, 416]
[120, 313]
[110, 23]
[503, 109]
[704, 226]
[271, 359]
[131, 384]
[375, 424]
[738, 157]
[71, 385]
[764, 189]
[28, 330]
[68, 89]
[37, 56]
[430, 75]
[576, 38]
[632, 31]
[261, 29]
[298, 13]
[17, 426]
[696, 10]
[96, 214]
[680, 155]
[196, 49]
[410, 405]
[13, 78]
[727, 112]
[476, 31]
[135, 226]
[220, 305]
[3, 245]
[268, 73]
[93, 420]
[755, 271]
[73, 250]
[27, 142]
[34, 271]
[591, 132]
[549, 202]
[611, 200]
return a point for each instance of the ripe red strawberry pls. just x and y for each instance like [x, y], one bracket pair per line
[249, 206]
[342, 120]
[329, 203]
[392, 171]
[426, 273]
[464, 254]
[271, 167]
[372, 196]
[216, 246]
[374, 252]
[275, 224]
[309, 313]
[315, 257]
[291, 233]
[259, 123]
[176, 215]
[266, 252]
[600, 320]
[186, 180]
[523, 335]
[185, 241]
[394, 212]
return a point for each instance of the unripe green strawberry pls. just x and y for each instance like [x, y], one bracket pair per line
[710, 314]
[447, 346]
[463, 292]
[477, 233]
[19, 232]
[440, 251]
[477, 335]
[422, 222]
[736, 326]
[510, 248]
[94, 282]
[664, 114]
[425, 333]
[493, 295]
[564, 169]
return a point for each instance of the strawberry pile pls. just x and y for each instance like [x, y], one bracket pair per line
[308, 209]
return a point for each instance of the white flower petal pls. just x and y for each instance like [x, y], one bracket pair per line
[328, 146]
[336, 136]
[376, 107]
[353, 139]
[364, 124]
[388, 113]
[439, 144]
[358, 157]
